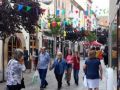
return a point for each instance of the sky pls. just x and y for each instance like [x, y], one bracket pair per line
[100, 5]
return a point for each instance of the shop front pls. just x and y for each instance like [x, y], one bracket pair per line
[48, 42]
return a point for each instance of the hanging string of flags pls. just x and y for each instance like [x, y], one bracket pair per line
[63, 11]
[27, 8]
[21, 7]
[101, 11]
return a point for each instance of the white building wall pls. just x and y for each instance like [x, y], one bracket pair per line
[112, 10]
[26, 38]
[0, 55]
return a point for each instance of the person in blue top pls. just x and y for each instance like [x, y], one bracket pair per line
[93, 71]
[60, 67]
[42, 66]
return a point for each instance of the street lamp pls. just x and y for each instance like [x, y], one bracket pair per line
[47, 2]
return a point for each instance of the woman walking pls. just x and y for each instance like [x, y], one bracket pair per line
[69, 67]
[76, 67]
[59, 66]
[14, 71]
[91, 68]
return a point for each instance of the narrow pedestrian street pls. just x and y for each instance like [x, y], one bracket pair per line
[52, 83]
[34, 31]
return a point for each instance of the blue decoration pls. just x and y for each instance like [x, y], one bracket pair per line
[57, 12]
[20, 7]
[86, 12]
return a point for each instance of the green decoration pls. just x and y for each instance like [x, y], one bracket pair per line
[91, 37]
[28, 8]
[69, 22]
[63, 12]
[55, 30]
[91, 12]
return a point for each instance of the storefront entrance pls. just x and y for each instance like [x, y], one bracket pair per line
[13, 43]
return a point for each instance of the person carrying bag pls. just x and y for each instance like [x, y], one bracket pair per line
[14, 74]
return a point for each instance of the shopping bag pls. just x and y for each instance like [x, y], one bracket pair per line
[35, 78]
[85, 80]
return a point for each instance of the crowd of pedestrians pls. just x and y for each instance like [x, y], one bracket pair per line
[62, 65]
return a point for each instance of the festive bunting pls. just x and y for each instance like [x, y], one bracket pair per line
[91, 12]
[58, 23]
[20, 7]
[63, 12]
[48, 25]
[37, 30]
[86, 12]
[65, 23]
[69, 22]
[28, 8]
[64, 33]
[57, 12]
[76, 11]
[85, 16]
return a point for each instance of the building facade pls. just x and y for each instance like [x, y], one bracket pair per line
[114, 35]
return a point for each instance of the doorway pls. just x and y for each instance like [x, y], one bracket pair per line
[13, 43]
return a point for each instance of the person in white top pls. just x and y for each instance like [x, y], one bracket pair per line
[14, 71]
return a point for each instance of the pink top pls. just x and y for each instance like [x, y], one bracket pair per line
[69, 59]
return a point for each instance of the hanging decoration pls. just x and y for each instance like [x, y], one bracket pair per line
[20, 7]
[28, 8]
[64, 33]
[91, 12]
[86, 12]
[54, 24]
[76, 11]
[63, 12]
[57, 12]
[85, 16]
[69, 22]
[37, 29]
[59, 23]
[48, 25]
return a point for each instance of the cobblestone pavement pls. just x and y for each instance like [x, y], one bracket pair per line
[53, 83]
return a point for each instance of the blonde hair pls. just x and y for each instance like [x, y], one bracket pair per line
[92, 54]
[59, 54]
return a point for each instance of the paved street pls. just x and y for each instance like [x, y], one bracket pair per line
[53, 83]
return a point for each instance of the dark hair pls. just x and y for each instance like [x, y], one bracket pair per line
[93, 48]
[24, 47]
[97, 48]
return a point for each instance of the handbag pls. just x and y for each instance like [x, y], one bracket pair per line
[22, 85]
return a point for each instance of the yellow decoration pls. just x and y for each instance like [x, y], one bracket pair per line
[64, 33]
[48, 25]
[58, 23]
[37, 29]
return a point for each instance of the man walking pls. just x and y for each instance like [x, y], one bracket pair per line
[43, 61]
[26, 57]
